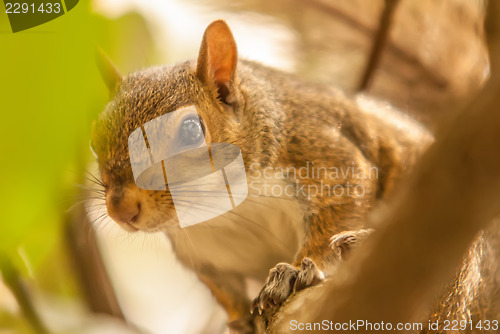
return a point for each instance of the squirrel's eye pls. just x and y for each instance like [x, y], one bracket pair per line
[190, 131]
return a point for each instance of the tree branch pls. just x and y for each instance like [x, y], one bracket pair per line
[429, 225]
[378, 44]
[13, 281]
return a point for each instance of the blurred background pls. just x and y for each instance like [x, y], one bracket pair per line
[65, 268]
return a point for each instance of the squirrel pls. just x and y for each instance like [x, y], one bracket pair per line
[351, 152]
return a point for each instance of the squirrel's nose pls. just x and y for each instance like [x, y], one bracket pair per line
[123, 206]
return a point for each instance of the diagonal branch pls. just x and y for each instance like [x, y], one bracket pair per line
[379, 44]
[431, 222]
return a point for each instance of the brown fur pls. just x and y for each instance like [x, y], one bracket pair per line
[278, 121]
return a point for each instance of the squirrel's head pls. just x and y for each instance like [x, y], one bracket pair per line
[206, 102]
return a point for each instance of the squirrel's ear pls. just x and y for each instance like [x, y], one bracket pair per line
[112, 78]
[218, 57]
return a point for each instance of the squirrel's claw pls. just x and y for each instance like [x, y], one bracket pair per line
[278, 286]
[283, 280]
[309, 275]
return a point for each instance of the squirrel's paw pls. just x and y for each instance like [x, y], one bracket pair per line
[278, 286]
[309, 275]
[343, 242]
[284, 279]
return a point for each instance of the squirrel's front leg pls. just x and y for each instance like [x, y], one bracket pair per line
[285, 279]
[229, 290]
